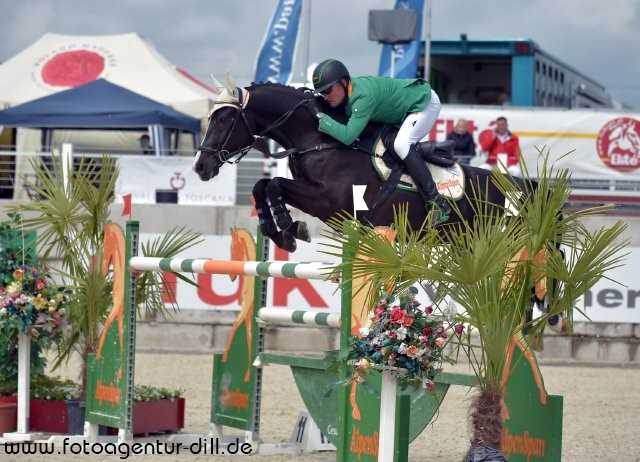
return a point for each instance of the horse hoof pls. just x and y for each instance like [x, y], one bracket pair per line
[288, 241]
[301, 231]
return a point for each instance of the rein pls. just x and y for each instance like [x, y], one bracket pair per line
[223, 154]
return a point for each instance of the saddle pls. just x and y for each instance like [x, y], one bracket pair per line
[446, 172]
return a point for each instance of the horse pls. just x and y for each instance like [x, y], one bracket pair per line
[323, 169]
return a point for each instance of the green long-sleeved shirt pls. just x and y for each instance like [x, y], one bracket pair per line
[377, 99]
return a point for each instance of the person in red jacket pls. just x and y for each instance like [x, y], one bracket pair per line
[502, 142]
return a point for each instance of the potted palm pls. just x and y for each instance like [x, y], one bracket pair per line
[69, 217]
[475, 264]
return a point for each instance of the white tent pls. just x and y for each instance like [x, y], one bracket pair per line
[58, 62]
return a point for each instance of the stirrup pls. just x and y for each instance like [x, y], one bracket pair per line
[441, 216]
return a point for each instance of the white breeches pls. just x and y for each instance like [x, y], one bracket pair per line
[417, 125]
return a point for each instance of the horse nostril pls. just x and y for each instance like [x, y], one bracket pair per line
[199, 167]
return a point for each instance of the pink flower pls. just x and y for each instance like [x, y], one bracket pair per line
[429, 309]
[427, 331]
[412, 351]
[459, 328]
[439, 342]
[397, 315]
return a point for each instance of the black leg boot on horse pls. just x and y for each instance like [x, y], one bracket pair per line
[418, 170]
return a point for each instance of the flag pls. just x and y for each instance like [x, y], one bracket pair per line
[358, 191]
[126, 210]
[275, 60]
[406, 62]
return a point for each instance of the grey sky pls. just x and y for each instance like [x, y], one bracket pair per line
[600, 39]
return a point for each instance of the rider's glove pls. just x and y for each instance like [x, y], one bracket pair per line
[313, 109]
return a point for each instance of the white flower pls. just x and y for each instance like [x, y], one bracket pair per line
[401, 333]
[402, 349]
[364, 331]
[3, 312]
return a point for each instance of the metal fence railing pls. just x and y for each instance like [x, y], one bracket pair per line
[17, 175]
[16, 167]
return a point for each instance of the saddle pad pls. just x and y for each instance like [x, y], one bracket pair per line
[449, 180]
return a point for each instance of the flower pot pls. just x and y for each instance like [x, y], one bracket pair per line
[8, 417]
[48, 416]
[51, 416]
[159, 416]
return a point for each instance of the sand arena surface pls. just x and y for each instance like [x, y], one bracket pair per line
[601, 412]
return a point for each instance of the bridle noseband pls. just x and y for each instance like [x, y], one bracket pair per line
[223, 155]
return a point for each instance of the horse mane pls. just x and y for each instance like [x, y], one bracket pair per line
[287, 88]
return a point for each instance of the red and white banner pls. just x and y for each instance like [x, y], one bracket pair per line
[604, 144]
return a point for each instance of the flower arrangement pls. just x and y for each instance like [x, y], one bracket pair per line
[30, 302]
[149, 393]
[400, 334]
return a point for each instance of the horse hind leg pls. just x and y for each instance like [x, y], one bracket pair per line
[300, 230]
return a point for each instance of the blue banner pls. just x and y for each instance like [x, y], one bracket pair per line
[406, 54]
[275, 60]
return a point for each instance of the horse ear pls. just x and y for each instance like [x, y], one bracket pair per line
[230, 83]
[217, 84]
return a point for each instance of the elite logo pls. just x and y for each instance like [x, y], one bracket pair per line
[618, 144]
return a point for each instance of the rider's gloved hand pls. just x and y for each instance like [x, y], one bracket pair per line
[313, 109]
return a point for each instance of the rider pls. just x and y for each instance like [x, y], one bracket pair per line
[410, 103]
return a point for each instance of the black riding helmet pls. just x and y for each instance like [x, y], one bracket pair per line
[327, 73]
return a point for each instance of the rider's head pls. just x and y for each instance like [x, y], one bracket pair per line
[330, 79]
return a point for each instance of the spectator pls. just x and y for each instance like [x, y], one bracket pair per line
[145, 145]
[465, 147]
[502, 141]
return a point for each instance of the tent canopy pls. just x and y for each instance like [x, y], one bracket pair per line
[58, 62]
[97, 105]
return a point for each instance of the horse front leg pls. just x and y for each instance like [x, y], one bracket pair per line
[265, 218]
[275, 191]
[283, 240]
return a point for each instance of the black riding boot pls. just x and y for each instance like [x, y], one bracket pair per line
[418, 170]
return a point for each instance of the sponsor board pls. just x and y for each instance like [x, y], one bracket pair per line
[612, 300]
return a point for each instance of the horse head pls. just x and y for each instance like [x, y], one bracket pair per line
[228, 132]
[277, 112]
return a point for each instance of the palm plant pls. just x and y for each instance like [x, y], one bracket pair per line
[489, 266]
[69, 218]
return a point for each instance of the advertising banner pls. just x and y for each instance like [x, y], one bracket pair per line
[616, 299]
[275, 60]
[142, 177]
[592, 144]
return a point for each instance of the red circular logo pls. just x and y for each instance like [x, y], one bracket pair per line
[72, 68]
[619, 144]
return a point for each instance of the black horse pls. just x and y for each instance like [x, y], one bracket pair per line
[323, 169]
